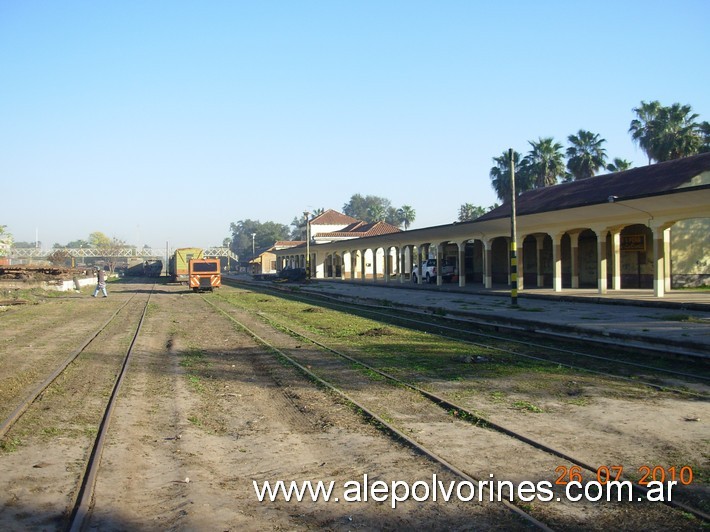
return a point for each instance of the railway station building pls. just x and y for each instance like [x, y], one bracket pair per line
[647, 227]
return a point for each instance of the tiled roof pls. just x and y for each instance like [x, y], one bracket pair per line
[287, 243]
[331, 217]
[638, 182]
[362, 229]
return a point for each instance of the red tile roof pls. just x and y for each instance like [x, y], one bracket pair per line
[331, 217]
[362, 229]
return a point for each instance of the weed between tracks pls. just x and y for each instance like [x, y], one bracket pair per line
[460, 370]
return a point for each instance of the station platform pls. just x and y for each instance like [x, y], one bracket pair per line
[678, 323]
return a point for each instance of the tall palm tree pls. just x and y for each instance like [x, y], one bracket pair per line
[545, 162]
[619, 165]
[641, 127]
[500, 176]
[676, 133]
[406, 215]
[376, 213]
[468, 212]
[667, 133]
[585, 156]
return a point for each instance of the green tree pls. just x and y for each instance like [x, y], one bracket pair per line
[361, 207]
[500, 176]
[468, 212]
[585, 154]
[77, 244]
[667, 133]
[619, 165]
[99, 240]
[405, 216]
[5, 240]
[544, 163]
[641, 127]
[59, 257]
[265, 235]
[705, 131]
[376, 213]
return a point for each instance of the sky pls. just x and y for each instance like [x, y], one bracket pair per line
[163, 122]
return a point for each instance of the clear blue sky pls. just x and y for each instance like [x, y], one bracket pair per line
[166, 120]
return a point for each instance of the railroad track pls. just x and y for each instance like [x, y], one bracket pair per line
[306, 365]
[460, 329]
[370, 414]
[83, 502]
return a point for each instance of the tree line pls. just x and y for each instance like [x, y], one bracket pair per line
[662, 132]
[250, 237]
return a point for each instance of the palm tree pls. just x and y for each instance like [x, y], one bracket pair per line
[585, 155]
[641, 128]
[376, 213]
[545, 162]
[667, 133]
[500, 176]
[406, 216]
[676, 133]
[468, 212]
[619, 165]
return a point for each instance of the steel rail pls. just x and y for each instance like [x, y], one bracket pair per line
[391, 429]
[476, 419]
[84, 501]
[37, 391]
[335, 301]
[473, 417]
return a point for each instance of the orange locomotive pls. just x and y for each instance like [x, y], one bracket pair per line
[204, 274]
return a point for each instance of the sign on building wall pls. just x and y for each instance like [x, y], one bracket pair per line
[633, 242]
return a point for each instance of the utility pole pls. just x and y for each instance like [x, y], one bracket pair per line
[513, 236]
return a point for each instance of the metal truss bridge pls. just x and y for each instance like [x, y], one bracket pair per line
[128, 252]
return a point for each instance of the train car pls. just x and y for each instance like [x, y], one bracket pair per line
[178, 266]
[204, 274]
[148, 268]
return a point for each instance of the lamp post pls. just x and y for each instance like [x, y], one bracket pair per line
[252, 245]
[308, 245]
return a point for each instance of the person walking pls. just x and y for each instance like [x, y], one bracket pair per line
[101, 282]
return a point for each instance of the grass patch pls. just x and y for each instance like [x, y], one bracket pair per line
[685, 318]
[10, 445]
[498, 396]
[192, 358]
[196, 383]
[527, 406]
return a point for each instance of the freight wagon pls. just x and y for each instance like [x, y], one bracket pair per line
[204, 274]
[178, 266]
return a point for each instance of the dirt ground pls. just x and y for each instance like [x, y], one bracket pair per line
[206, 412]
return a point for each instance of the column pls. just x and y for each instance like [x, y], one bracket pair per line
[557, 262]
[386, 266]
[488, 264]
[363, 263]
[439, 263]
[616, 259]
[461, 266]
[519, 255]
[574, 259]
[601, 260]
[374, 265]
[660, 233]
[667, 256]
